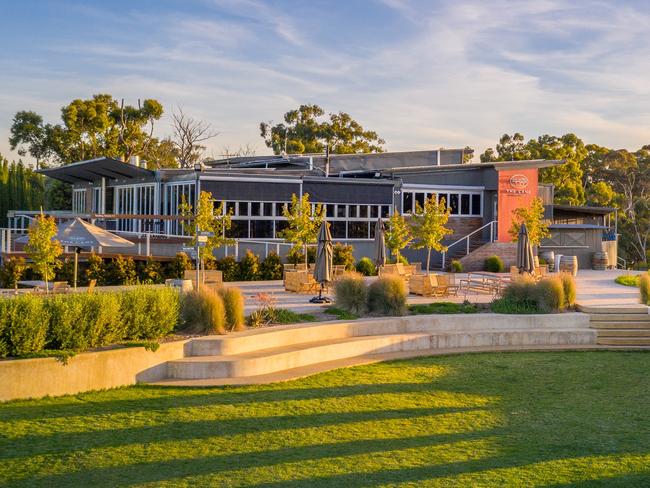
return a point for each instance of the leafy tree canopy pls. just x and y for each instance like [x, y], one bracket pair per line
[429, 226]
[307, 130]
[533, 217]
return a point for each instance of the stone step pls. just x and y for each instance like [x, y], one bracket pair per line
[272, 360]
[607, 309]
[623, 333]
[620, 325]
[623, 341]
[292, 335]
[620, 317]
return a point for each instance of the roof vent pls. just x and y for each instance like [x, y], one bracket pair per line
[135, 161]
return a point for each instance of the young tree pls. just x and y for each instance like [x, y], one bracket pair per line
[398, 234]
[42, 248]
[304, 222]
[208, 218]
[533, 217]
[428, 226]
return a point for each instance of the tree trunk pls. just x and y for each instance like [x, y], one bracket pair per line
[428, 260]
[306, 255]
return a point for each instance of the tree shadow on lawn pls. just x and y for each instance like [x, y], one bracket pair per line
[202, 429]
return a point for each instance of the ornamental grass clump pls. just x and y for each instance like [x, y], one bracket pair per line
[518, 297]
[644, 288]
[233, 302]
[203, 312]
[366, 267]
[549, 295]
[387, 296]
[351, 293]
[569, 285]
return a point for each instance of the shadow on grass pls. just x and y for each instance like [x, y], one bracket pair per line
[202, 429]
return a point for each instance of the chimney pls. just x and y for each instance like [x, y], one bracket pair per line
[135, 161]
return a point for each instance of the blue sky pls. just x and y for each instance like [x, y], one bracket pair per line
[424, 74]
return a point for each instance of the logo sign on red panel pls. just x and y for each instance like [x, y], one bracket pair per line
[518, 184]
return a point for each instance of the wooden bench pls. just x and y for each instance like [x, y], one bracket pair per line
[300, 282]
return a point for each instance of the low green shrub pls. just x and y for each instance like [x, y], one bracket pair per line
[387, 296]
[443, 308]
[505, 305]
[149, 313]
[295, 255]
[366, 267]
[494, 264]
[203, 312]
[26, 320]
[549, 294]
[121, 271]
[351, 293]
[179, 265]
[229, 267]
[12, 271]
[233, 302]
[456, 266]
[340, 313]
[628, 280]
[342, 255]
[644, 288]
[96, 269]
[150, 272]
[271, 267]
[66, 271]
[249, 267]
[569, 286]
[284, 316]
[402, 259]
[68, 323]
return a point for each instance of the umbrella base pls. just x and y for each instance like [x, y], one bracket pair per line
[320, 300]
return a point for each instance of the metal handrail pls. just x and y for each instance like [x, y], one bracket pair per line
[466, 238]
[620, 260]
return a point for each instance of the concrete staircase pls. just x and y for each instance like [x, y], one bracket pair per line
[287, 352]
[627, 326]
[475, 260]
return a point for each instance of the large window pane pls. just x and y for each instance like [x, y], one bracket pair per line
[279, 208]
[230, 207]
[280, 225]
[453, 203]
[419, 199]
[464, 204]
[445, 197]
[363, 211]
[357, 230]
[261, 229]
[476, 204]
[330, 210]
[338, 229]
[408, 202]
[255, 209]
[340, 211]
[243, 208]
[352, 211]
[374, 211]
[385, 211]
[238, 229]
[268, 209]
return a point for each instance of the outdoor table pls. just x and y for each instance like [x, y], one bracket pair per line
[482, 282]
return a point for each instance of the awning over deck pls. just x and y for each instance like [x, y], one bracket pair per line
[96, 169]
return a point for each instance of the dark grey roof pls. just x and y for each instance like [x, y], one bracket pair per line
[584, 210]
[95, 169]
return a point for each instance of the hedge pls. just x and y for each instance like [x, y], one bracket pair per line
[32, 323]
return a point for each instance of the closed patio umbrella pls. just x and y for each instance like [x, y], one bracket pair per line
[323, 265]
[79, 233]
[380, 243]
[525, 257]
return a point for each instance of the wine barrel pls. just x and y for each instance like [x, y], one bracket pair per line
[600, 260]
[569, 264]
[548, 256]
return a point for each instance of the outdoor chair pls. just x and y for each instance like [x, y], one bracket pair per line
[60, 287]
[427, 285]
[300, 282]
[396, 269]
[447, 283]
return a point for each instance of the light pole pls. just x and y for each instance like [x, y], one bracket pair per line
[198, 167]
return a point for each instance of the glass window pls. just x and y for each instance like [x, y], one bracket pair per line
[419, 199]
[280, 225]
[243, 208]
[279, 207]
[453, 203]
[268, 209]
[238, 229]
[443, 196]
[408, 202]
[385, 211]
[230, 208]
[357, 230]
[340, 211]
[330, 210]
[476, 204]
[255, 209]
[352, 211]
[338, 229]
[374, 211]
[363, 211]
[464, 204]
[261, 229]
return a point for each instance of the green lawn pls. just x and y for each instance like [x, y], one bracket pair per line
[527, 419]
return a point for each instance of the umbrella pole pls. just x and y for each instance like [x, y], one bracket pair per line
[76, 257]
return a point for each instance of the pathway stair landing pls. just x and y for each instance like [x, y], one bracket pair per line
[627, 325]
